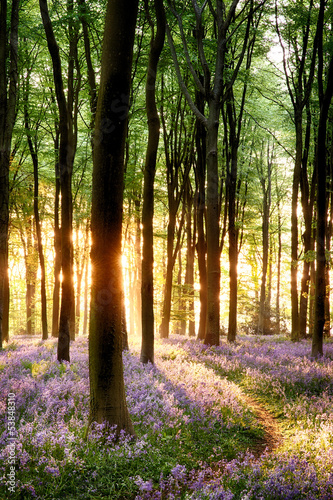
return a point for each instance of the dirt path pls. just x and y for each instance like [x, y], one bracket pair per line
[273, 437]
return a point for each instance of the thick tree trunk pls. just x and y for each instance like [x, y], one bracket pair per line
[147, 287]
[107, 391]
[325, 101]
[8, 95]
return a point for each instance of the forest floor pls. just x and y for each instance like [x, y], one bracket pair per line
[241, 421]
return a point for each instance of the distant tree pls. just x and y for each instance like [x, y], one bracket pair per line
[216, 86]
[266, 185]
[33, 144]
[177, 143]
[299, 58]
[107, 392]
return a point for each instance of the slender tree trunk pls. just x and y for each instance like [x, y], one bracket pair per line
[34, 156]
[200, 171]
[138, 271]
[6, 303]
[147, 294]
[107, 391]
[31, 276]
[85, 296]
[41, 256]
[213, 230]
[57, 258]
[171, 258]
[279, 258]
[308, 198]
[189, 277]
[232, 231]
[266, 189]
[329, 231]
[294, 230]
[312, 293]
[66, 157]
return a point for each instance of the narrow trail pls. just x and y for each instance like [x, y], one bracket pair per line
[273, 437]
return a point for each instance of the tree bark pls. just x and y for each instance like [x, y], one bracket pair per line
[189, 276]
[66, 158]
[34, 157]
[325, 98]
[200, 176]
[107, 391]
[266, 190]
[8, 97]
[57, 257]
[147, 287]
[212, 336]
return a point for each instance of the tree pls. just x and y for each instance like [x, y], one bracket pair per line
[8, 101]
[32, 138]
[299, 69]
[147, 294]
[107, 392]
[177, 143]
[266, 184]
[66, 158]
[216, 85]
[325, 97]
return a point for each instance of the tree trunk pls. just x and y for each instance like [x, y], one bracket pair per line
[138, 271]
[107, 391]
[171, 258]
[33, 145]
[266, 189]
[147, 287]
[66, 157]
[200, 176]
[8, 96]
[6, 303]
[329, 231]
[31, 267]
[325, 101]
[308, 198]
[189, 277]
[85, 296]
[57, 258]
[212, 336]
